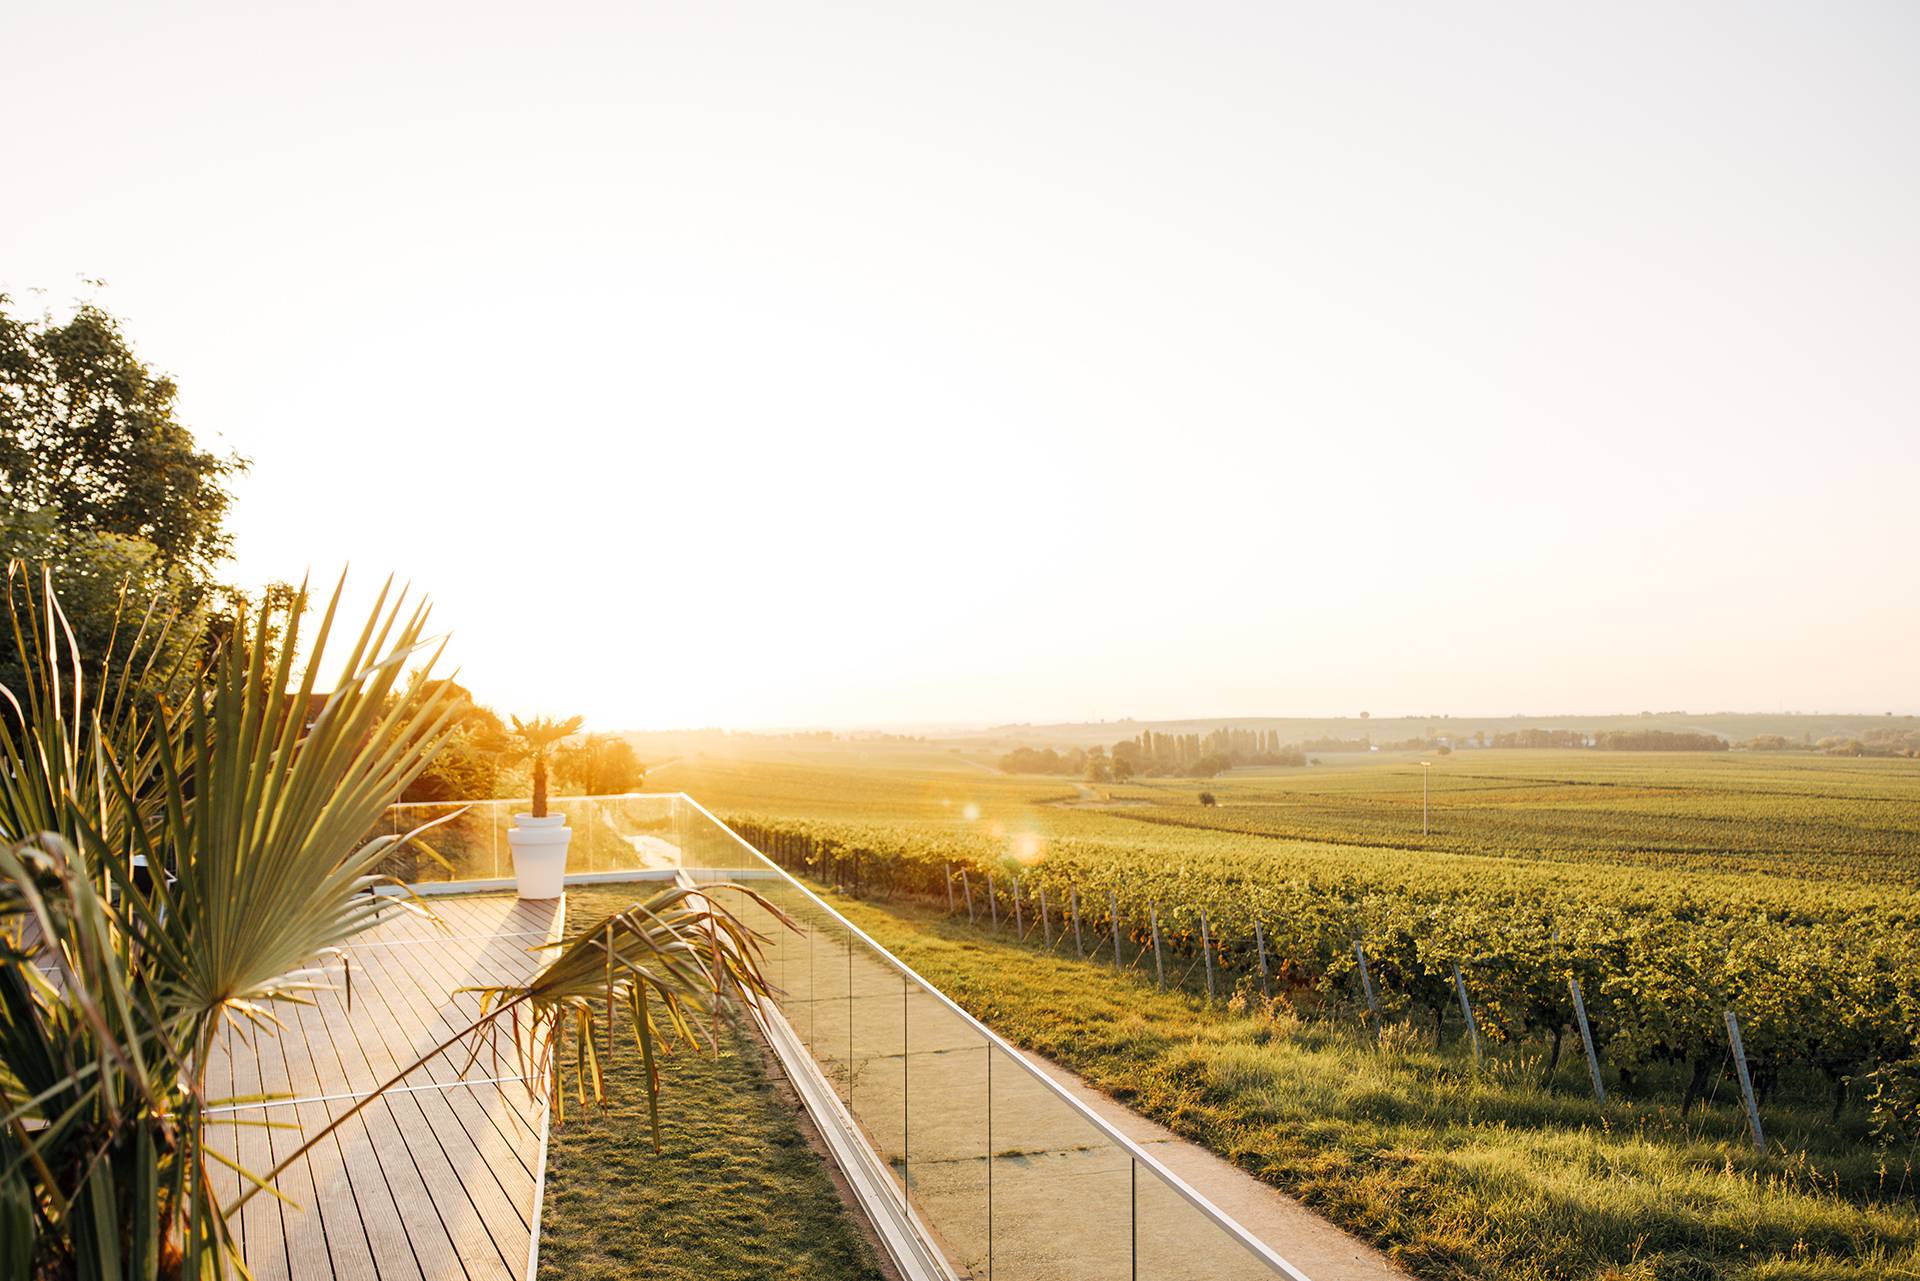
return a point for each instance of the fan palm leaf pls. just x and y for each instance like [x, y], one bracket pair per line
[251, 823]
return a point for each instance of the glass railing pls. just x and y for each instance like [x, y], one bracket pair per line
[1003, 1174]
[467, 840]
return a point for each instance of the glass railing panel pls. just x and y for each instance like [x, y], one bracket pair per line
[1062, 1188]
[611, 834]
[620, 833]
[1177, 1242]
[877, 1087]
[774, 943]
[831, 1035]
[708, 846]
[946, 1129]
[789, 957]
[469, 840]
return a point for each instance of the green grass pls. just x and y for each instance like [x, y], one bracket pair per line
[1456, 1172]
[736, 1194]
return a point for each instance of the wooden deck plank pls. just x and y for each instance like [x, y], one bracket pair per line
[376, 1162]
[265, 1235]
[340, 1174]
[446, 970]
[428, 1134]
[314, 1228]
[435, 1137]
[494, 1175]
[419, 983]
[434, 1183]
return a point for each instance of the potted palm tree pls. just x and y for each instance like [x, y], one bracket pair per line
[539, 840]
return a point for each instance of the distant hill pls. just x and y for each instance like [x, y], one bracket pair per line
[1735, 727]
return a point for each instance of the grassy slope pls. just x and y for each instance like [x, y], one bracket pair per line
[1457, 1173]
[736, 1194]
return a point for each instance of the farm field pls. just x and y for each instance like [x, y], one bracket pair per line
[1669, 888]
[1826, 818]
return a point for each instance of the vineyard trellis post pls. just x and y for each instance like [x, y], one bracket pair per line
[949, 868]
[967, 887]
[1046, 921]
[993, 902]
[1206, 953]
[1159, 962]
[1586, 1039]
[1019, 917]
[1260, 943]
[1079, 945]
[1366, 984]
[1466, 1008]
[1113, 910]
[1746, 1083]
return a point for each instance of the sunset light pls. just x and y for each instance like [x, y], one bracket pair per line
[960, 642]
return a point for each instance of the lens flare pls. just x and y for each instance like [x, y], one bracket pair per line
[1027, 847]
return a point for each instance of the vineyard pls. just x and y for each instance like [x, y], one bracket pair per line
[1802, 816]
[1668, 890]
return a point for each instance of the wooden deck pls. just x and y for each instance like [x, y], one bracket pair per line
[438, 1180]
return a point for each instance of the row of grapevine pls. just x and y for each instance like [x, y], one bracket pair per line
[1816, 990]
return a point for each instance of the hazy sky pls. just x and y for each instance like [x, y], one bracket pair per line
[866, 364]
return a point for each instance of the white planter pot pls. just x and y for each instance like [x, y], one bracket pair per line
[539, 854]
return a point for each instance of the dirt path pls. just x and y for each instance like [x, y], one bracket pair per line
[1301, 1237]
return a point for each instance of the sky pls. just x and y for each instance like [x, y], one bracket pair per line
[798, 364]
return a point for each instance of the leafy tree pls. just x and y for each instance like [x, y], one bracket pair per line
[468, 765]
[599, 765]
[89, 430]
[1044, 760]
[1208, 766]
[102, 486]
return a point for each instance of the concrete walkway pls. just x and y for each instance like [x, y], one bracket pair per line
[1304, 1239]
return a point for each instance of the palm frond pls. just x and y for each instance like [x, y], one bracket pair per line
[664, 961]
[250, 818]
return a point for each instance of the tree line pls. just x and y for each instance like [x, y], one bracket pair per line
[1157, 755]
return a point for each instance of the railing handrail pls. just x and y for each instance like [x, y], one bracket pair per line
[551, 800]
